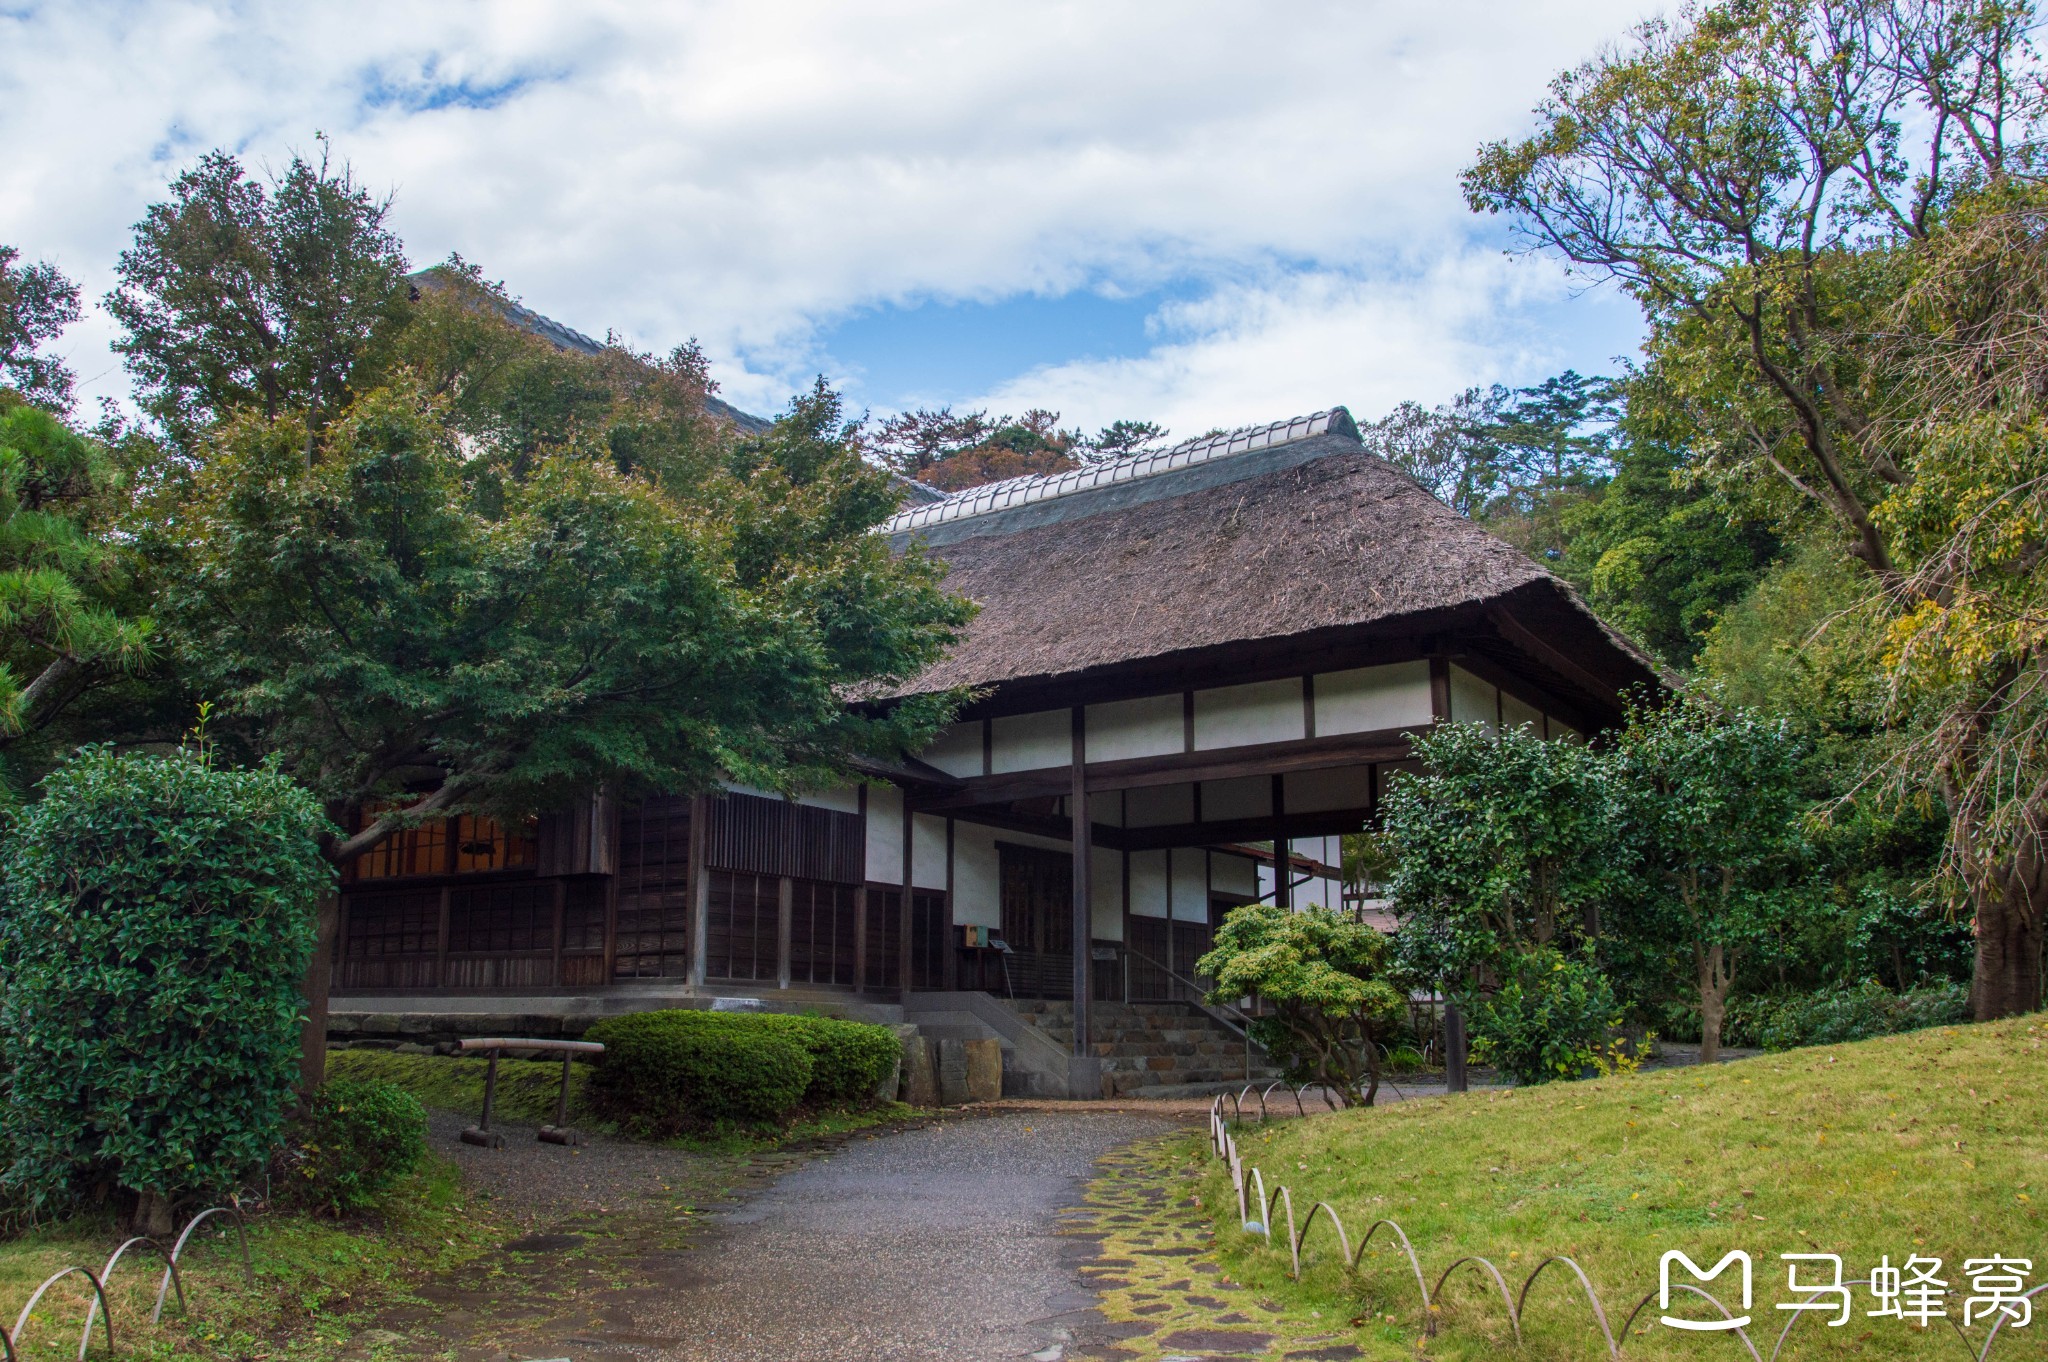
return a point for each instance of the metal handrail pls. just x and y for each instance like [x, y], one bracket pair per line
[1242, 1026]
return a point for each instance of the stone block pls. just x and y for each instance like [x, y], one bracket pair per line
[984, 1070]
[920, 1079]
[953, 1073]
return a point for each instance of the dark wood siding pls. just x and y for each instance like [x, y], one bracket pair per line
[821, 920]
[654, 928]
[930, 938]
[775, 837]
[740, 936]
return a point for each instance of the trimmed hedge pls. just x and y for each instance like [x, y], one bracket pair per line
[357, 1140]
[156, 918]
[849, 1060]
[664, 1072]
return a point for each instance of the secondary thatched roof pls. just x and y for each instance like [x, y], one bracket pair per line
[1295, 530]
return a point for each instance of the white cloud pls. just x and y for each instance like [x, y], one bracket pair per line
[748, 172]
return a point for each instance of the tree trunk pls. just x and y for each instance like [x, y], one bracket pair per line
[1713, 1000]
[313, 1036]
[153, 1217]
[2006, 978]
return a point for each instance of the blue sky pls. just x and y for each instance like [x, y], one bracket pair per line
[1198, 213]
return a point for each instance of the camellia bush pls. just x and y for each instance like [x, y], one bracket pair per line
[1323, 975]
[156, 919]
[1554, 1016]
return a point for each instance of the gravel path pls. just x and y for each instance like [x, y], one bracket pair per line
[939, 1243]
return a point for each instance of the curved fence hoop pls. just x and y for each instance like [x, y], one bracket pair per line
[1514, 1315]
[1329, 1213]
[1286, 1198]
[1599, 1311]
[177, 1249]
[1711, 1299]
[1281, 1083]
[1265, 1227]
[1999, 1323]
[107, 1275]
[99, 1295]
[1428, 1321]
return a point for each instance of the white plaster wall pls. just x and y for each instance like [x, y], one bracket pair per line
[885, 834]
[1472, 700]
[1233, 874]
[1148, 883]
[1244, 797]
[977, 876]
[844, 799]
[1158, 806]
[928, 851]
[1032, 742]
[957, 751]
[1190, 885]
[1106, 893]
[1372, 698]
[1261, 711]
[1515, 714]
[1150, 727]
[1339, 787]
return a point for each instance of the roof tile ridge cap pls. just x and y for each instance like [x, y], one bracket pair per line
[1031, 488]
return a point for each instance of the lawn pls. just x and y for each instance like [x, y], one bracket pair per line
[314, 1278]
[1926, 1144]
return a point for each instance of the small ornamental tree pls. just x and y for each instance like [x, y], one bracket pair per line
[1324, 974]
[156, 917]
[1714, 805]
[1508, 841]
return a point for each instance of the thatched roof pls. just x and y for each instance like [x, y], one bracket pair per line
[1284, 531]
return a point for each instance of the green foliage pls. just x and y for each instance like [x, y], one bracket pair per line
[158, 918]
[64, 624]
[528, 1086]
[36, 303]
[671, 1071]
[237, 297]
[1831, 1016]
[849, 1060]
[1714, 804]
[1507, 840]
[1325, 977]
[357, 1139]
[536, 607]
[1554, 1016]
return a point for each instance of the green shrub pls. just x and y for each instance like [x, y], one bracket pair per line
[1832, 1016]
[156, 918]
[358, 1138]
[849, 1060]
[1553, 1018]
[665, 1072]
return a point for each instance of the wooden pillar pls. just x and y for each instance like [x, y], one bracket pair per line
[951, 958]
[1440, 689]
[700, 887]
[441, 942]
[1084, 916]
[904, 916]
[561, 923]
[1283, 872]
[785, 911]
[860, 902]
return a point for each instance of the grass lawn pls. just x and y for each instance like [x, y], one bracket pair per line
[1926, 1144]
[315, 1279]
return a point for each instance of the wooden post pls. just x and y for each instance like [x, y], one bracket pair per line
[1084, 917]
[860, 902]
[700, 887]
[561, 918]
[1454, 1048]
[952, 952]
[785, 911]
[313, 1035]
[1283, 871]
[1440, 689]
[904, 918]
[441, 942]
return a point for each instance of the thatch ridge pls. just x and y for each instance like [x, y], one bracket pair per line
[1339, 539]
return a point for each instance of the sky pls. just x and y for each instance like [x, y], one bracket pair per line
[1200, 214]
